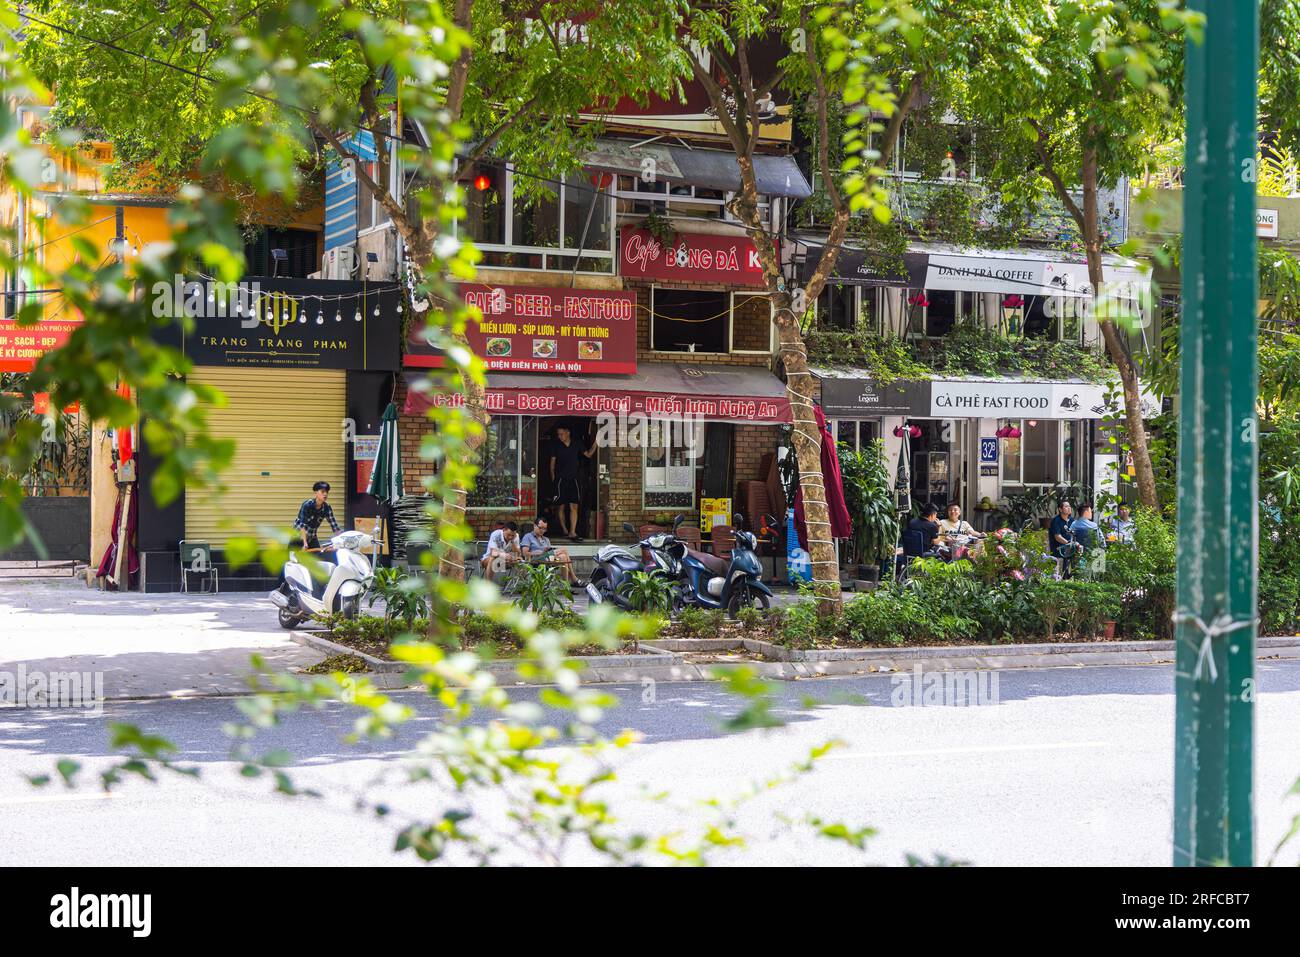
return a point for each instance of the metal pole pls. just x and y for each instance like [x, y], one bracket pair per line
[1218, 452]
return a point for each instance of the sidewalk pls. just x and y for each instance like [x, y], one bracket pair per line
[169, 645]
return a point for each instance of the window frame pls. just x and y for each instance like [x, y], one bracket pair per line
[547, 252]
[521, 427]
[697, 461]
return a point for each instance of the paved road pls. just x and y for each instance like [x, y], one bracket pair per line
[145, 645]
[1073, 766]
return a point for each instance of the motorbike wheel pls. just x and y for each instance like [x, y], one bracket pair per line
[746, 597]
[288, 619]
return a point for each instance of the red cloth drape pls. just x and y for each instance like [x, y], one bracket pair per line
[108, 563]
[841, 523]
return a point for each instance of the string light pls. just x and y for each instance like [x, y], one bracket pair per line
[338, 317]
[357, 317]
[376, 311]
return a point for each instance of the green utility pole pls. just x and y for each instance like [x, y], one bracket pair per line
[1218, 452]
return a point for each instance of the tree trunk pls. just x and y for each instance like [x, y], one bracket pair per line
[1137, 436]
[806, 438]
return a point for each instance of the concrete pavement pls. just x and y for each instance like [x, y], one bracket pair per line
[146, 645]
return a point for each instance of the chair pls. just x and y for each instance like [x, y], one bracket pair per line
[690, 534]
[913, 543]
[196, 559]
[644, 532]
[724, 540]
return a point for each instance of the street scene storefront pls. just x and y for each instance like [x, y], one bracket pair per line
[976, 441]
[307, 367]
[664, 437]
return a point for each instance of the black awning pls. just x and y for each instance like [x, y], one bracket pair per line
[856, 267]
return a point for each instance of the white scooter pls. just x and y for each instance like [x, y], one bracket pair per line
[302, 595]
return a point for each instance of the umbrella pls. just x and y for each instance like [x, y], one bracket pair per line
[386, 473]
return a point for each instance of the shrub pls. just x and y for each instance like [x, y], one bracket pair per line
[703, 622]
[404, 596]
[538, 587]
[1144, 571]
[1279, 595]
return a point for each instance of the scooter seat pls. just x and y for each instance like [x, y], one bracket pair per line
[712, 563]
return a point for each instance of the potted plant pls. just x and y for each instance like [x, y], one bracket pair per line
[869, 497]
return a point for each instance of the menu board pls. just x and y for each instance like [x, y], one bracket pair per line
[536, 329]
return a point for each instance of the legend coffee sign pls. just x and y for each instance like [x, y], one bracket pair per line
[690, 257]
[534, 329]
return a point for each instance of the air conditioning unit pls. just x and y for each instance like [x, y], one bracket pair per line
[379, 260]
[340, 262]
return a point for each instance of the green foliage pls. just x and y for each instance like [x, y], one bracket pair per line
[869, 497]
[695, 622]
[538, 587]
[1144, 570]
[404, 596]
[969, 349]
[649, 592]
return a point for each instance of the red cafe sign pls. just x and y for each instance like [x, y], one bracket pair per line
[692, 257]
[21, 346]
[584, 402]
[534, 329]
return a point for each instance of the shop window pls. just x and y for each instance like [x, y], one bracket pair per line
[1032, 459]
[671, 463]
[941, 312]
[855, 434]
[1041, 317]
[507, 477]
[751, 323]
[837, 308]
[571, 227]
[688, 320]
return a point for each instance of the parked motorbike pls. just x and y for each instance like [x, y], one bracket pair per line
[303, 594]
[708, 581]
[615, 564]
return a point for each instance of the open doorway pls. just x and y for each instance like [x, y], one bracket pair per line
[939, 463]
[573, 479]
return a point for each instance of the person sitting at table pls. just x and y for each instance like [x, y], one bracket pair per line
[502, 550]
[954, 524]
[1087, 533]
[929, 528]
[538, 548]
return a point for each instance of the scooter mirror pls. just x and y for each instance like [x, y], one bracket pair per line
[628, 527]
[677, 522]
[738, 521]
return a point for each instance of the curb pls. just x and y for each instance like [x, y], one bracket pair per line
[667, 659]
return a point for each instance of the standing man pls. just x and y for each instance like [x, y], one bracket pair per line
[565, 459]
[312, 513]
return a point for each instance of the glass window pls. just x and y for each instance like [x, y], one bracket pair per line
[671, 460]
[485, 197]
[1040, 444]
[586, 213]
[688, 320]
[944, 306]
[835, 308]
[1011, 458]
[536, 221]
[507, 477]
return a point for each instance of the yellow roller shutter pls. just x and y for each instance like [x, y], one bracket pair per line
[287, 426]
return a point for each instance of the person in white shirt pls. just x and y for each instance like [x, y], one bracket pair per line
[953, 524]
[1121, 526]
[502, 550]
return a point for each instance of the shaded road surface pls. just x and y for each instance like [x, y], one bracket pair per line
[1073, 766]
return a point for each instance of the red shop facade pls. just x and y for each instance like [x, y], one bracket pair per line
[667, 381]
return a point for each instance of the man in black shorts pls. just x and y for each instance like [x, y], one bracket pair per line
[565, 458]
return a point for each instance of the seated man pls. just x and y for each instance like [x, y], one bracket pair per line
[927, 525]
[538, 548]
[502, 550]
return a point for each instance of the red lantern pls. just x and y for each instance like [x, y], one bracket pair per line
[482, 182]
